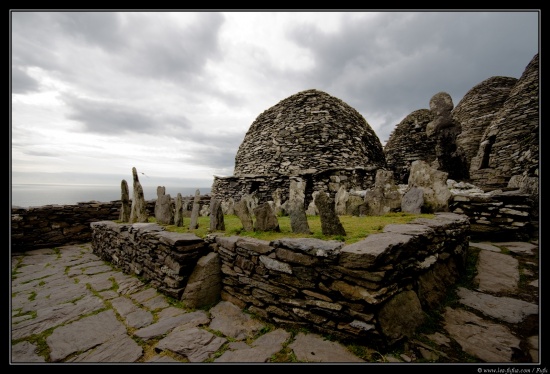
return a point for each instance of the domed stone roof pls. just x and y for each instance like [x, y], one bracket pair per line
[510, 144]
[477, 109]
[306, 133]
[409, 142]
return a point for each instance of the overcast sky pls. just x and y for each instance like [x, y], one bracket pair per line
[174, 93]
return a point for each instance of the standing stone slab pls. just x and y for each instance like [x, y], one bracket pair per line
[125, 208]
[384, 196]
[241, 210]
[298, 218]
[139, 207]
[266, 220]
[164, 210]
[433, 183]
[205, 283]
[195, 212]
[216, 216]
[330, 223]
[178, 211]
[412, 201]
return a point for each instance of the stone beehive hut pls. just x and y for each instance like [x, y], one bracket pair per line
[498, 135]
[477, 109]
[509, 146]
[409, 142]
[311, 135]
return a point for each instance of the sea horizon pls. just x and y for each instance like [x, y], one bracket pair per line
[27, 195]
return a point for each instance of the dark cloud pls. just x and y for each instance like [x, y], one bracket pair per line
[110, 118]
[215, 158]
[21, 82]
[177, 53]
[396, 62]
[99, 29]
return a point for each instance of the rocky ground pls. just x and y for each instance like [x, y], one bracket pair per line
[68, 306]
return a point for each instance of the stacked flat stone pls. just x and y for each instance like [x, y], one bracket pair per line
[409, 142]
[477, 109]
[311, 135]
[510, 145]
[307, 132]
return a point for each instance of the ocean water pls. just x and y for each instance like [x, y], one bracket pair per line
[33, 195]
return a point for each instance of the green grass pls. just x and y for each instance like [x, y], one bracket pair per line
[357, 228]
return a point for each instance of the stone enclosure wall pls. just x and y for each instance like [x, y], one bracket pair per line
[54, 225]
[264, 186]
[503, 215]
[375, 289]
[507, 215]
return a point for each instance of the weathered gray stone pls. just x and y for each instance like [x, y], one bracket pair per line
[164, 209]
[266, 220]
[25, 352]
[217, 222]
[433, 183]
[241, 210]
[330, 223]
[314, 348]
[295, 206]
[125, 208]
[489, 341]
[123, 349]
[92, 330]
[477, 109]
[312, 135]
[502, 308]
[409, 142]
[204, 285]
[195, 344]
[412, 201]
[261, 350]
[138, 210]
[497, 272]
[384, 196]
[232, 322]
[193, 225]
[401, 316]
[178, 211]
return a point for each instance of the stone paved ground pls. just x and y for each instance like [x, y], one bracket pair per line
[68, 306]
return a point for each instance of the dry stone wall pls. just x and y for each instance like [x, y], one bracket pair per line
[376, 289]
[477, 109]
[510, 145]
[54, 225]
[346, 290]
[409, 142]
[166, 259]
[305, 133]
[312, 135]
[500, 215]
[263, 186]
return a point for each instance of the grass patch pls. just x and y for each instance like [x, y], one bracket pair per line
[357, 228]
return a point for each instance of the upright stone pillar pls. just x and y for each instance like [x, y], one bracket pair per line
[164, 209]
[330, 223]
[125, 208]
[216, 216]
[296, 201]
[139, 208]
[241, 210]
[195, 211]
[178, 211]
